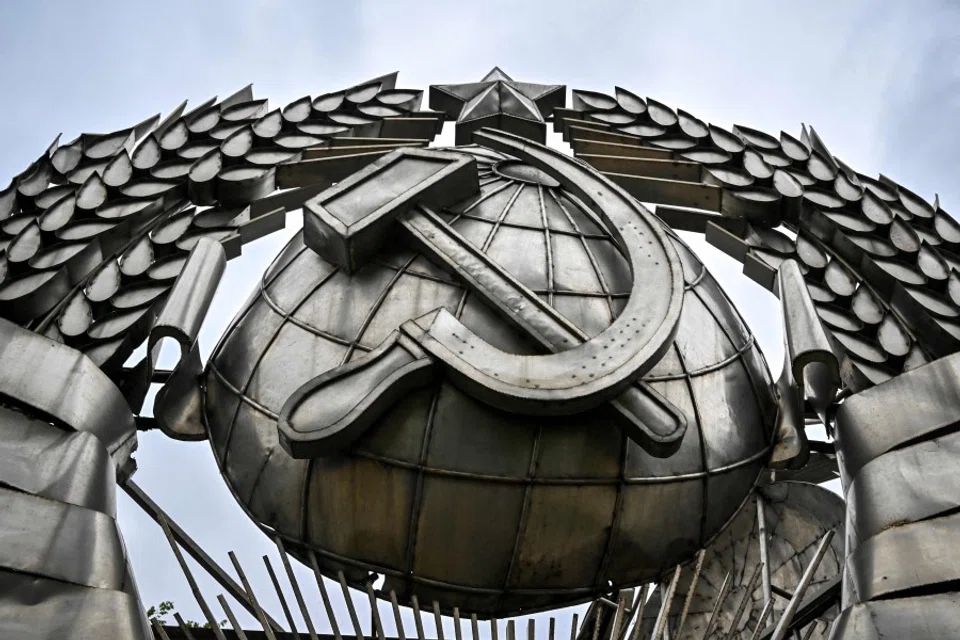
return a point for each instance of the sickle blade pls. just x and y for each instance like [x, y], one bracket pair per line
[348, 223]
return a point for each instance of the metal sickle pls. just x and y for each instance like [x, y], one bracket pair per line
[348, 224]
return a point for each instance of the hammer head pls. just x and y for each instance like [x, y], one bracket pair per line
[348, 223]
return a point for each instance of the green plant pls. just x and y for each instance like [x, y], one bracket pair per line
[168, 608]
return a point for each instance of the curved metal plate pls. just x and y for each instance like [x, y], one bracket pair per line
[903, 559]
[74, 468]
[66, 385]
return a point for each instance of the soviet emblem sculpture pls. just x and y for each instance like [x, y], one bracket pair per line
[489, 377]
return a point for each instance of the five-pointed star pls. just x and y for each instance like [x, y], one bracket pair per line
[497, 94]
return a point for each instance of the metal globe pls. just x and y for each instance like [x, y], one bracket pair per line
[450, 499]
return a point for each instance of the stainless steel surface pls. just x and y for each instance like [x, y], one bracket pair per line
[176, 406]
[873, 423]
[41, 537]
[810, 369]
[932, 616]
[498, 101]
[63, 568]
[111, 240]
[718, 603]
[40, 459]
[917, 482]
[877, 261]
[448, 462]
[857, 238]
[894, 441]
[110, 255]
[36, 608]
[61, 383]
[904, 559]
[339, 405]
[349, 223]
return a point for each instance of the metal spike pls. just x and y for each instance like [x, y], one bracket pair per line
[531, 629]
[350, 607]
[475, 628]
[813, 628]
[152, 509]
[762, 622]
[511, 630]
[494, 629]
[194, 587]
[237, 629]
[665, 606]
[418, 620]
[396, 615]
[296, 590]
[573, 626]
[161, 633]
[596, 624]
[781, 631]
[183, 627]
[456, 623]
[282, 598]
[553, 627]
[439, 621]
[721, 597]
[375, 612]
[693, 587]
[253, 599]
[637, 614]
[617, 617]
[747, 597]
[764, 552]
[327, 606]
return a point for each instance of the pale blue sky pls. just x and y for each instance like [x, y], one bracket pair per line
[879, 80]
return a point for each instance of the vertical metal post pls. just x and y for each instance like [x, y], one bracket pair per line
[617, 617]
[417, 617]
[396, 615]
[232, 618]
[261, 616]
[456, 624]
[762, 622]
[350, 607]
[304, 613]
[764, 552]
[781, 631]
[281, 597]
[665, 606]
[721, 597]
[194, 587]
[639, 604]
[325, 596]
[747, 597]
[438, 619]
[375, 613]
[693, 587]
